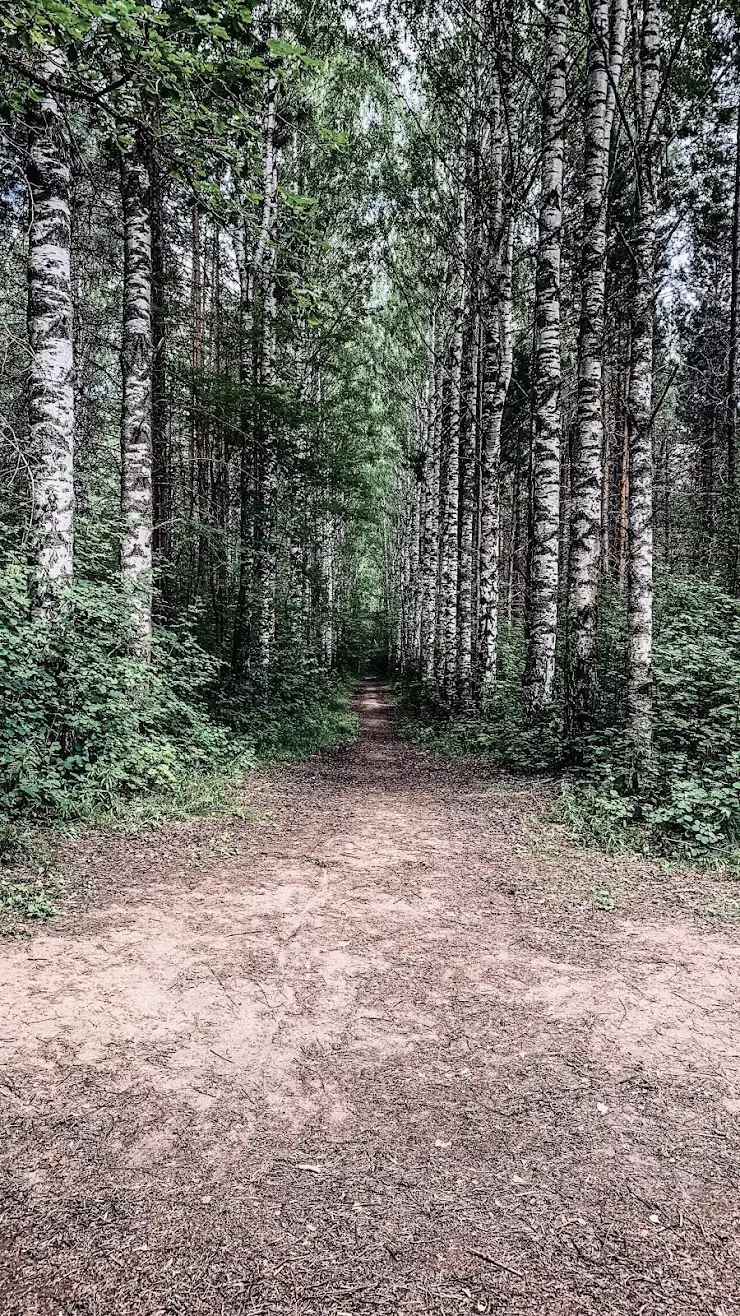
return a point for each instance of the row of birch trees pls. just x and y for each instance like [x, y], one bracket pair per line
[184, 199]
[554, 445]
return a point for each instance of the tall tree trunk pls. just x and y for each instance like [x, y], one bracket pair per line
[497, 367]
[640, 581]
[240, 644]
[440, 430]
[543, 584]
[733, 400]
[497, 258]
[161, 456]
[265, 264]
[604, 67]
[624, 464]
[449, 584]
[606, 456]
[51, 385]
[468, 482]
[136, 416]
[430, 526]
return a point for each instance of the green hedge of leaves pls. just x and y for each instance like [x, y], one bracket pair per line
[82, 723]
[687, 801]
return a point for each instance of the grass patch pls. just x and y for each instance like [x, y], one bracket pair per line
[602, 897]
[722, 907]
[30, 888]
[601, 818]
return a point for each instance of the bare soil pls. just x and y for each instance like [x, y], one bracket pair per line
[375, 1049]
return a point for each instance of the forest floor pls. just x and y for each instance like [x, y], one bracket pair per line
[388, 1044]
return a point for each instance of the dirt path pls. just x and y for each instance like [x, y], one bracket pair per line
[374, 1050]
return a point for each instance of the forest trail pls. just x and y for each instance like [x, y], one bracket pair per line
[373, 1048]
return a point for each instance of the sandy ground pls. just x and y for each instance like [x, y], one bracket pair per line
[373, 1049]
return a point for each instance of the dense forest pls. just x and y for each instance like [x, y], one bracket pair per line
[341, 337]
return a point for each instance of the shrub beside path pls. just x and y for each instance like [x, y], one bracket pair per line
[387, 1045]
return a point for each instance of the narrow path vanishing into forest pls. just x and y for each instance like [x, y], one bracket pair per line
[372, 1048]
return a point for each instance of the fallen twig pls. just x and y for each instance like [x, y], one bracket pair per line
[501, 1265]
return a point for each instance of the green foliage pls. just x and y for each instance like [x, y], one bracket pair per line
[602, 897]
[299, 710]
[27, 898]
[87, 732]
[686, 800]
[502, 733]
[83, 723]
[29, 886]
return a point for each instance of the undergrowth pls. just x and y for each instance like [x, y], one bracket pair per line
[685, 804]
[90, 738]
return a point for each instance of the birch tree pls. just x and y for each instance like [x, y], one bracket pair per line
[498, 353]
[137, 359]
[51, 412]
[450, 560]
[640, 568]
[543, 590]
[605, 52]
[265, 266]
[430, 521]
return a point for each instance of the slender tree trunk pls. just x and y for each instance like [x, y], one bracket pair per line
[137, 358]
[606, 475]
[624, 468]
[468, 481]
[452, 475]
[733, 400]
[498, 361]
[440, 433]
[161, 457]
[240, 645]
[195, 454]
[640, 585]
[604, 67]
[410, 556]
[543, 584]
[265, 277]
[51, 392]
[430, 526]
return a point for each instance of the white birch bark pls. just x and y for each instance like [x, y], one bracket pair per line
[441, 513]
[449, 574]
[497, 368]
[51, 377]
[429, 528]
[137, 360]
[265, 273]
[497, 257]
[543, 592]
[414, 590]
[241, 647]
[604, 67]
[468, 481]
[640, 516]
[327, 604]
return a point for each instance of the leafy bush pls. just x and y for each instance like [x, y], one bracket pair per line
[298, 710]
[687, 799]
[503, 733]
[22, 898]
[82, 722]
[87, 731]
